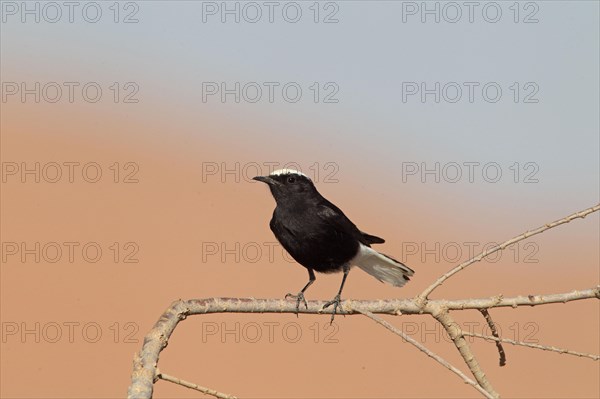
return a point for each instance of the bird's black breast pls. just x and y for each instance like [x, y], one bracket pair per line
[318, 236]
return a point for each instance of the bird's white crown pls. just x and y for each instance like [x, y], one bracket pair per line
[280, 172]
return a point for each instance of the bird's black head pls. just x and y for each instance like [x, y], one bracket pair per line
[288, 185]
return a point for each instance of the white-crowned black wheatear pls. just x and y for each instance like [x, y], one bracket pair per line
[321, 238]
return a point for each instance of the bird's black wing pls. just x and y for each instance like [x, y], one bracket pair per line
[372, 239]
[332, 215]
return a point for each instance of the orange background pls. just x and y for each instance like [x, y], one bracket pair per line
[174, 210]
[170, 212]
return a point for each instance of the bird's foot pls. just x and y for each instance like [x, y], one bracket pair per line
[336, 303]
[299, 298]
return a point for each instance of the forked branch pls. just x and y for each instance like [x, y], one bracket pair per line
[145, 364]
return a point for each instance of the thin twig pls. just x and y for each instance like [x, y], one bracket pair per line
[492, 325]
[425, 294]
[428, 352]
[535, 346]
[196, 387]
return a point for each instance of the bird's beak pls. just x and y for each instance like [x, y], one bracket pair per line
[265, 179]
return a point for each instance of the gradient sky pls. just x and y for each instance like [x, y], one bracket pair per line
[547, 152]
[369, 53]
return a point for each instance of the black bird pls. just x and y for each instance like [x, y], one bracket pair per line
[321, 238]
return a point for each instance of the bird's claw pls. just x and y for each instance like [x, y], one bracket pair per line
[336, 302]
[299, 298]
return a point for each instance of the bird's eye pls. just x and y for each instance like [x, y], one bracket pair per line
[291, 179]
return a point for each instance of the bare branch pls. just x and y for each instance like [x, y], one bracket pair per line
[145, 370]
[529, 300]
[195, 387]
[428, 352]
[535, 346]
[388, 306]
[492, 325]
[424, 295]
[463, 347]
[146, 361]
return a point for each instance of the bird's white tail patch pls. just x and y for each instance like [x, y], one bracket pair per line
[382, 267]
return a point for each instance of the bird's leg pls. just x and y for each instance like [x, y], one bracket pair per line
[336, 301]
[300, 296]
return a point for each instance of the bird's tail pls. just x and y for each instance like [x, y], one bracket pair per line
[382, 267]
